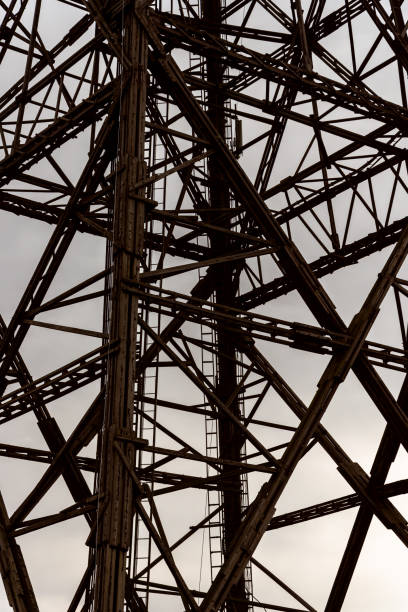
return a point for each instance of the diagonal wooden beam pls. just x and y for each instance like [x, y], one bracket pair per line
[345, 464]
[384, 458]
[82, 434]
[399, 487]
[13, 570]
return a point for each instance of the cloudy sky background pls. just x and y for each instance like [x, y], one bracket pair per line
[305, 556]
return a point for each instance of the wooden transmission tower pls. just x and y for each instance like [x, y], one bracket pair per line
[187, 421]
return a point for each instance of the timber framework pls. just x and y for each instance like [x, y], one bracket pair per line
[204, 345]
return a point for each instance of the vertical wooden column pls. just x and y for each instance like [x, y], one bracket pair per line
[230, 436]
[115, 509]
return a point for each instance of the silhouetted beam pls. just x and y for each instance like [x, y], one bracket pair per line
[42, 456]
[173, 480]
[29, 208]
[385, 456]
[335, 20]
[347, 255]
[51, 214]
[56, 384]
[310, 201]
[80, 437]
[339, 504]
[296, 335]
[85, 506]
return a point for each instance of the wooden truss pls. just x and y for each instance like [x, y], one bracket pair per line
[199, 168]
